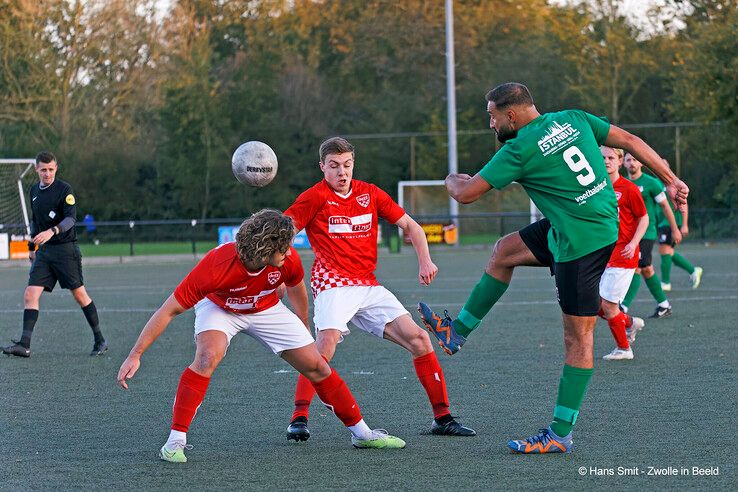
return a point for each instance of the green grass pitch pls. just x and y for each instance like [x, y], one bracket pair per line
[65, 424]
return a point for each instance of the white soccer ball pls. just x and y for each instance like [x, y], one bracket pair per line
[254, 164]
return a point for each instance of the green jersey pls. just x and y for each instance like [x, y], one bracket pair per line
[557, 159]
[652, 190]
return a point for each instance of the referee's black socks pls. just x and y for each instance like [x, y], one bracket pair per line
[30, 316]
[91, 314]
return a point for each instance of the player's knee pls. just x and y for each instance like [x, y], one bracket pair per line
[647, 271]
[502, 253]
[317, 371]
[418, 343]
[206, 360]
[30, 297]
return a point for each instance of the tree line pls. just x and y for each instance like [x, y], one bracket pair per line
[144, 107]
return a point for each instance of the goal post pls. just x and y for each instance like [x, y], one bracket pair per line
[15, 177]
[493, 215]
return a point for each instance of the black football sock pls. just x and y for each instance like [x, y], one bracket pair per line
[91, 314]
[30, 316]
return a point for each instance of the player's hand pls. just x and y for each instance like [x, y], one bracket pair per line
[427, 273]
[127, 370]
[31, 256]
[684, 230]
[678, 192]
[676, 236]
[629, 250]
[43, 236]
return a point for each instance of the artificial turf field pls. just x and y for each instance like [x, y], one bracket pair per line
[64, 422]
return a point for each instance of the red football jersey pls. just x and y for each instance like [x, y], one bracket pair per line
[630, 210]
[221, 277]
[343, 232]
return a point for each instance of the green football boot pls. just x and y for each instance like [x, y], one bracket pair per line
[174, 454]
[378, 440]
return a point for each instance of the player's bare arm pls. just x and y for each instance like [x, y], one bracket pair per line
[427, 270]
[154, 327]
[466, 189]
[676, 235]
[675, 187]
[629, 249]
[685, 221]
[297, 294]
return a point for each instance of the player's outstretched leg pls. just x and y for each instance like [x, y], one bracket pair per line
[404, 332]
[337, 397]
[441, 328]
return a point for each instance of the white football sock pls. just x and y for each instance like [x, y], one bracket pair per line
[664, 304]
[176, 437]
[360, 430]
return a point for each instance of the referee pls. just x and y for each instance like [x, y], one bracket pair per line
[58, 258]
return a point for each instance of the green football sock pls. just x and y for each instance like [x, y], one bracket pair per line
[572, 387]
[484, 295]
[683, 263]
[666, 268]
[635, 284]
[654, 286]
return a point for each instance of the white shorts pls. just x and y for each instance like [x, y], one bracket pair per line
[615, 282]
[277, 328]
[370, 308]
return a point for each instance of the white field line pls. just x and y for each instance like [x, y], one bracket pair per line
[408, 306]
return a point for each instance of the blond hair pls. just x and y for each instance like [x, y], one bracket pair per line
[264, 233]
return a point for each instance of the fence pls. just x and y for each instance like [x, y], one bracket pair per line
[198, 236]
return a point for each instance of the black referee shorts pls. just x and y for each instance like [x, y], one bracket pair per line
[577, 281]
[57, 263]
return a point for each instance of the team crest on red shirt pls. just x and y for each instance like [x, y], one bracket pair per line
[273, 277]
[618, 195]
[363, 200]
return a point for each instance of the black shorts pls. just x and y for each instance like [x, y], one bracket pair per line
[577, 281]
[57, 262]
[646, 248]
[665, 236]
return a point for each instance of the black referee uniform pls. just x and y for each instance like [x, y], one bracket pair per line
[57, 260]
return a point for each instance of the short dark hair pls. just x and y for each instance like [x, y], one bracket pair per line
[264, 233]
[45, 156]
[510, 94]
[335, 145]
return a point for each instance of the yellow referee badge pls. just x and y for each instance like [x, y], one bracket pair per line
[69, 199]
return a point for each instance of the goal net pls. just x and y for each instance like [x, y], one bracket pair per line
[16, 176]
[495, 214]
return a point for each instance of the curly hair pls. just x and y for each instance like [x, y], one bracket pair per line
[264, 233]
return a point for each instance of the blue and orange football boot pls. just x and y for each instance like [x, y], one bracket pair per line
[442, 329]
[544, 442]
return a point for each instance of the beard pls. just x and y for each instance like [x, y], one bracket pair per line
[505, 134]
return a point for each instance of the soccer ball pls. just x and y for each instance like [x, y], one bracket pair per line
[254, 164]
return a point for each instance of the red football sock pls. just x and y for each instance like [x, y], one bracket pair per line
[601, 314]
[431, 377]
[628, 320]
[190, 394]
[336, 396]
[304, 393]
[617, 327]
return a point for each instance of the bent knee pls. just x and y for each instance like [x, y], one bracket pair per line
[207, 360]
[418, 343]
